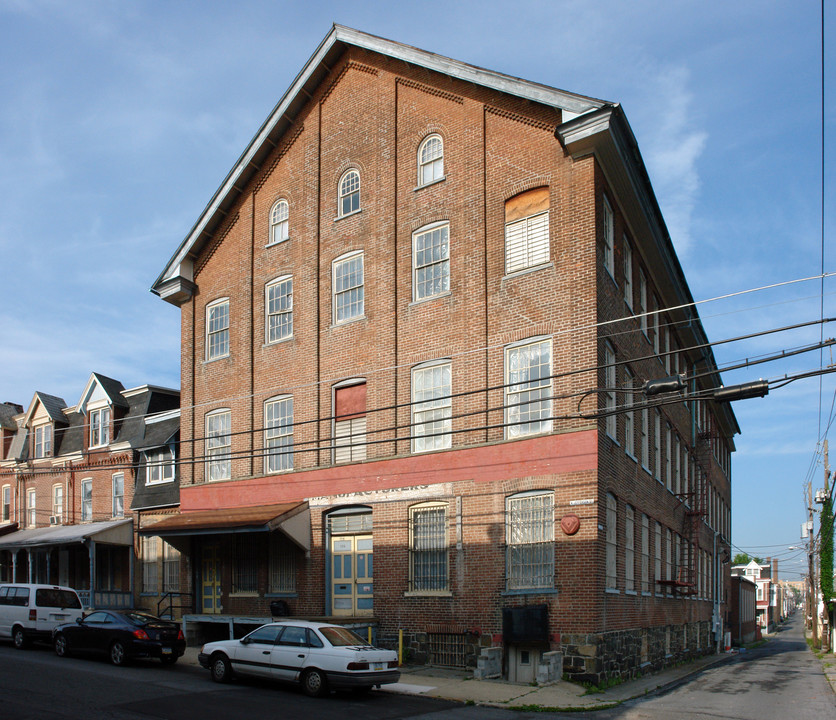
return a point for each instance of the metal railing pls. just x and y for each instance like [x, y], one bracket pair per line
[166, 605]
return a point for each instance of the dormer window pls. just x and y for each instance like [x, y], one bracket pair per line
[99, 427]
[43, 441]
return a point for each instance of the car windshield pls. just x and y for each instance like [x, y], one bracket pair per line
[140, 618]
[341, 637]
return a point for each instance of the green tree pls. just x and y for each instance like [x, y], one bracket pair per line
[743, 558]
[827, 550]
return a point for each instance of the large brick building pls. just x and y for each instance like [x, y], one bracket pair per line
[416, 320]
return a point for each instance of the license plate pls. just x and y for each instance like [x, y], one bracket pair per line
[166, 651]
[378, 666]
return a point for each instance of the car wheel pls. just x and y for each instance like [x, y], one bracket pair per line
[20, 639]
[62, 647]
[168, 659]
[314, 683]
[220, 668]
[118, 655]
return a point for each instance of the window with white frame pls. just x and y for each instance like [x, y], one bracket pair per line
[657, 444]
[528, 389]
[58, 502]
[349, 193]
[431, 261]
[278, 435]
[628, 272]
[350, 423]
[6, 508]
[43, 441]
[99, 427]
[279, 214]
[643, 301]
[159, 466]
[218, 445]
[609, 238]
[282, 564]
[217, 329]
[668, 453]
[629, 416]
[150, 581]
[428, 548]
[348, 287]
[656, 344]
[527, 230]
[612, 543]
[645, 438]
[668, 559]
[118, 495]
[657, 552]
[87, 500]
[171, 568]
[529, 538]
[629, 549]
[645, 554]
[31, 508]
[431, 407]
[610, 390]
[430, 160]
[278, 303]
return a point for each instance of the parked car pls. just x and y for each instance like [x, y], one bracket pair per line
[121, 635]
[31, 612]
[318, 656]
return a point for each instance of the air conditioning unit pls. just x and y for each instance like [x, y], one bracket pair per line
[54, 519]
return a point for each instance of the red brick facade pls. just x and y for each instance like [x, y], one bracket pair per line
[370, 112]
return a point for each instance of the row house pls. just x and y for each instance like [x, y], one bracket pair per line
[72, 482]
[417, 320]
[769, 592]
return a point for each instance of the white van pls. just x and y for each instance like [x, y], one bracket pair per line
[30, 612]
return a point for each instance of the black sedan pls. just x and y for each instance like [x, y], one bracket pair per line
[121, 635]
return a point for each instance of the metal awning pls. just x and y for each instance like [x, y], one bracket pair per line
[292, 519]
[111, 532]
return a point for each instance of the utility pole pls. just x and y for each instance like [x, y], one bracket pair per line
[826, 553]
[812, 605]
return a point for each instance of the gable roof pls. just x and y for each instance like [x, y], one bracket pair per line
[8, 411]
[110, 387]
[53, 405]
[175, 283]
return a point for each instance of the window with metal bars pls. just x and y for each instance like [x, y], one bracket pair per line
[447, 649]
[282, 564]
[529, 538]
[245, 569]
[428, 548]
[149, 565]
[171, 568]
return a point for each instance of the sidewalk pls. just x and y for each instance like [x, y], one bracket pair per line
[461, 686]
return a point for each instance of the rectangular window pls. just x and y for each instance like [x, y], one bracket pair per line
[58, 502]
[529, 538]
[609, 391]
[668, 559]
[527, 242]
[171, 568]
[217, 330]
[218, 446]
[609, 238]
[282, 564]
[119, 495]
[99, 427]
[645, 439]
[431, 407]
[431, 262]
[428, 549]
[643, 301]
[629, 550]
[612, 543]
[350, 423]
[528, 390]
[31, 509]
[150, 582]
[677, 476]
[645, 554]
[279, 309]
[87, 500]
[668, 453]
[657, 552]
[159, 466]
[7, 504]
[278, 435]
[629, 416]
[245, 567]
[655, 316]
[43, 441]
[348, 283]
[628, 272]
[657, 444]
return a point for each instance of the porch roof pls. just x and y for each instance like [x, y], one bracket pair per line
[111, 532]
[292, 519]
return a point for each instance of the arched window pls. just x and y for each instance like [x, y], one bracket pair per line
[349, 193]
[279, 222]
[430, 160]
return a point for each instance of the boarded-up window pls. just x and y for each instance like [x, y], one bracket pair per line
[350, 423]
[527, 230]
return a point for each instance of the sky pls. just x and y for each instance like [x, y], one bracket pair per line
[119, 121]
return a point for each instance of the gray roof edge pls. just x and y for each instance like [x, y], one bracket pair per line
[341, 34]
